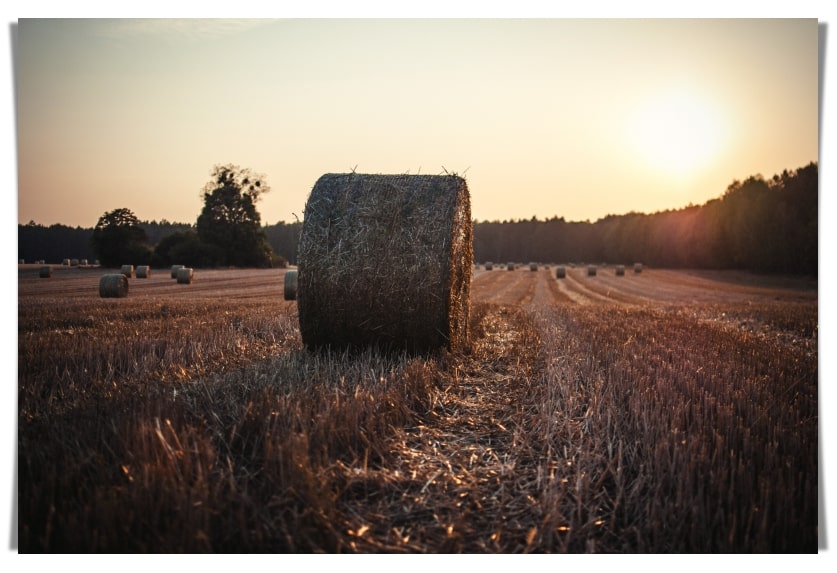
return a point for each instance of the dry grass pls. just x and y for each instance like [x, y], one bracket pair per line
[561, 428]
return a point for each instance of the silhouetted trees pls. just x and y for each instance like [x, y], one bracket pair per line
[229, 221]
[757, 224]
[764, 225]
[118, 239]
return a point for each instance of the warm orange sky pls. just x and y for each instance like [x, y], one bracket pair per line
[568, 117]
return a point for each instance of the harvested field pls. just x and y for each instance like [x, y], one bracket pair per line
[662, 412]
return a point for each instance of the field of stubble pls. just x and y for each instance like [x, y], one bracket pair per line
[666, 412]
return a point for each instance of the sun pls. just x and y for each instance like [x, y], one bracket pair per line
[678, 132]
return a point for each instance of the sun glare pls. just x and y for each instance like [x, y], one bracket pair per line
[678, 132]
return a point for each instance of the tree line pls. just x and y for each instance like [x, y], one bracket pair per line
[763, 225]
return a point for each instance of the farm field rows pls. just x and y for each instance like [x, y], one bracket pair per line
[665, 411]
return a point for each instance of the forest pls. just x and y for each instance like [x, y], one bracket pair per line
[760, 224]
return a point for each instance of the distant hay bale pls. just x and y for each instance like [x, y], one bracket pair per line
[620, 270]
[73, 262]
[385, 261]
[637, 268]
[489, 266]
[174, 269]
[21, 262]
[291, 281]
[510, 267]
[45, 271]
[65, 262]
[185, 275]
[591, 270]
[113, 286]
[560, 272]
[127, 270]
[83, 262]
[533, 266]
[143, 272]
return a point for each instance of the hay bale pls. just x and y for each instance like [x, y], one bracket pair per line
[143, 272]
[84, 262]
[174, 269]
[127, 270]
[21, 262]
[65, 263]
[533, 266]
[113, 286]
[510, 267]
[45, 272]
[620, 270]
[637, 268]
[489, 266]
[385, 261]
[591, 270]
[185, 275]
[560, 272]
[73, 262]
[291, 281]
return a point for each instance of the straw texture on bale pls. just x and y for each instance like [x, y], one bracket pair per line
[113, 286]
[185, 275]
[45, 272]
[127, 270]
[174, 269]
[637, 267]
[291, 281]
[560, 272]
[385, 261]
[143, 272]
[591, 271]
[620, 270]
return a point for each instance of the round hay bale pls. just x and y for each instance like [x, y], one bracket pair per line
[385, 261]
[533, 266]
[291, 281]
[113, 286]
[143, 272]
[489, 266]
[65, 262]
[620, 270]
[127, 270]
[591, 270]
[637, 268]
[185, 275]
[21, 262]
[174, 269]
[510, 267]
[45, 272]
[84, 262]
[560, 272]
[73, 262]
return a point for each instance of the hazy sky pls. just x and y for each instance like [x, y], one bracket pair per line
[577, 118]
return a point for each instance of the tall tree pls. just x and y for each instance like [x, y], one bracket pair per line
[118, 239]
[229, 220]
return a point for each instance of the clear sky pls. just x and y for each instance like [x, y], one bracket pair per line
[578, 118]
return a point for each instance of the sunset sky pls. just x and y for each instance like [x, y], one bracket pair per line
[576, 118]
